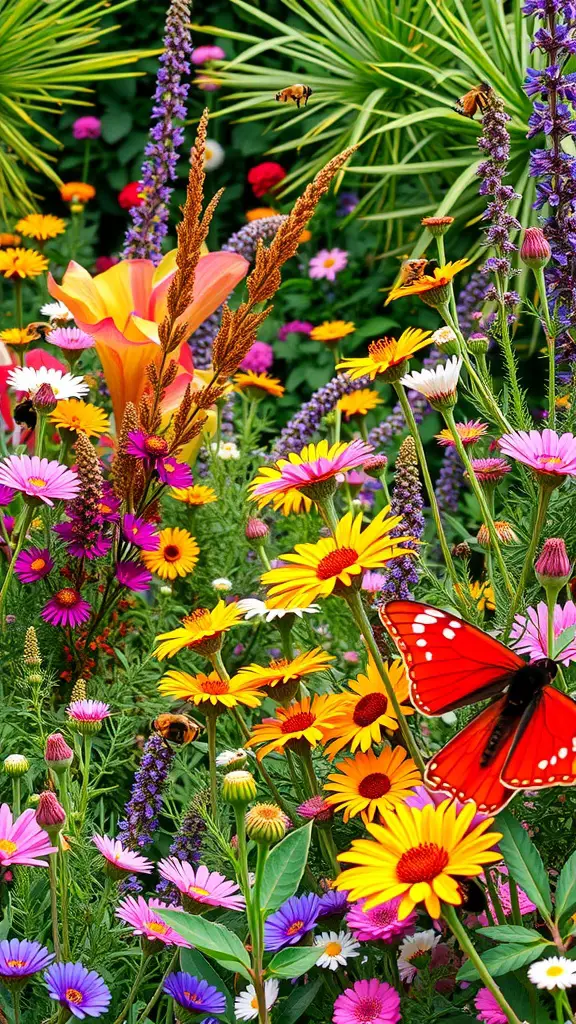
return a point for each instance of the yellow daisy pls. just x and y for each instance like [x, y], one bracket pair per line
[176, 556]
[22, 263]
[386, 353]
[303, 725]
[290, 483]
[367, 708]
[439, 279]
[332, 331]
[81, 417]
[202, 689]
[483, 595]
[370, 783]
[200, 630]
[419, 854]
[7, 239]
[259, 212]
[197, 494]
[316, 570]
[18, 336]
[41, 226]
[358, 403]
[258, 384]
[282, 677]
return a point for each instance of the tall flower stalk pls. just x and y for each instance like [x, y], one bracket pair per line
[407, 501]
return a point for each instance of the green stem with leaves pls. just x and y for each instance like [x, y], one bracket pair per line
[463, 940]
[133, 991]
[257, 932]
[477, 383]
[550, 345]
[53, 883]
[144, 1016]
[85, 774]
[541, 512]
[27, 517]
[211, 717]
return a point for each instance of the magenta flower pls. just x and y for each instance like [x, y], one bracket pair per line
[7, 494]
[81, 991]
[87, 128]
[488, 1009]
[294, 327]
[379, 923]
[553, 563]
[70, 338]
[23, 841]
[120, 858]
[150, 447]
[316, 809]
[19, 959]
[97, 548]
[109, 505]
[367, 1002]
[327, 263]
[33, 564]
[490, 471]
[259, 358]
[530, 632]
[41, 479]
[145, 921]
[202, 54]
[314, 464]
[174, 473]
[88, 711]
[201, 885]
[545, 453]
[133, 576]
[66, 607]
[140, 533]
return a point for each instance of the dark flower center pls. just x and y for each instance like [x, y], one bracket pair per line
[156, 445]
[298, 722]
[171, 553]
[369, 709]
[367, 1010]
[422, 863]
[374, 786]
[295, 927]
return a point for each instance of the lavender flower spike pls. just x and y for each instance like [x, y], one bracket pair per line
[150, 220]
[450, 480]
[407, 501]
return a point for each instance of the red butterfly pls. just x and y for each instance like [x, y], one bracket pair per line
[524, 739]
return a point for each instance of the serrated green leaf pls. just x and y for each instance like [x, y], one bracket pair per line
[505, 958]
[285, 867]
[294, 961]
[511, 933]
[524, 862]
[566, 889]
[210, 938]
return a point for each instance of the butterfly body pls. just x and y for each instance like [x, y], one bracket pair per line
[525, 738]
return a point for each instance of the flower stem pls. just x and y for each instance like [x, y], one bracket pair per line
[463, 939]
[53, 882]
[158, 993]
[356, 607]
[543, 501]
[481, 387]
[64, 887]
[264, 772]
[16, 798]
[16, 1006]
[85, 774]
[26, 520]
[133, 991]
[18, 302]
[550, 344]
[257, 933]
[514, 902]
[494, 898]
[211, 735]
[86, 163]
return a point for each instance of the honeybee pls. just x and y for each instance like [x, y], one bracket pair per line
[477, 99]
[296, 94]
[178, 729]
[414, 270]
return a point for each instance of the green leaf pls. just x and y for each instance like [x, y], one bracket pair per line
[192, 961]
[504, 959]
[299, 1000]
[524, 862]
[116, 124]
[294, 961]
[564, 639]
[210, 938]
[511, 933]
[285, 867]
[566, 889]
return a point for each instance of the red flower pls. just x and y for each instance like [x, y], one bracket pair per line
[265, 176]
[129, 196]
[103, 263]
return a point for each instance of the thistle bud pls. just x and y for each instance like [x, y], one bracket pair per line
[16, 765]
[265, 823]
[375, 466]
[256, 529]
[58, 755]
[535, 251]
[78, 691]
[552, 567]
[238, 788]
[478, 344]
[45, 400]
[50, 814]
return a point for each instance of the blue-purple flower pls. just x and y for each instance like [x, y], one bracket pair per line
[333, 902]
[81, 991]
[20, 959]
[193, 994]
[291, 921]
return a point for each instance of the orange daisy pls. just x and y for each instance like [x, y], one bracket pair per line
[370, 783]
[303, 725]
[257, 385]
[367, 709]
[283, 676]
[197, 494]
[210, 689]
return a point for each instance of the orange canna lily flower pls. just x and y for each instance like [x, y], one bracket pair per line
[123, 307]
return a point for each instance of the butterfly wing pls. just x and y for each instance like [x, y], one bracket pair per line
[456, 768]
[449, 662]
[544, 749]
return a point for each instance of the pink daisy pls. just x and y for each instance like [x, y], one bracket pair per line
[202, 54]
[70, 338]
[530, 632]
[314, 464]
[174, 473]
[42, 479]
[490, 471]
[7, 495]
[133, 576]
[23, 841]
[367, 1002]
[140, 533]
[545, 453]
[488, 1009]
[88, 711]
[327, 263]
[379, 923]
[120, 858]
[150, 447]
[145, 921]
[66, 607]
[97, 548]
[200, 885]
[33, 564]
[469, 432]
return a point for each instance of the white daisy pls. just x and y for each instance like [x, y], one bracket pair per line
[339, 947]
[229, 757]
[411, 948]
[57, 313]
[213, 155]
[26, 380]
[439, 384]
[553, 972]
[222, 583]
[253, 608]
[246, 1004]
[226, 450]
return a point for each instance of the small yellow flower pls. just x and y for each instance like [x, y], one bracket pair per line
[176, 556]
[258, 384]
[41, 226]
[18, 336]
[77, 191]
[197, 494]
[22, 263]
[332, 331]
[81, 417]
[483, 594]
[259, 212]
[359, 403]
[385, 353]
[202, 627]
[372, 783]
[8, 240]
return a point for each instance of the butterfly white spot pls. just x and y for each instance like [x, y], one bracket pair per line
[538, 782]
[421, 643]
[418, 628]
[455, 623]
[436, 613]
[565, 778]
[574, 743]
[551, 778]
[424, 620]
[562, 753]
[542, 765]
[428, 655]
[553, 759]
[448, 633]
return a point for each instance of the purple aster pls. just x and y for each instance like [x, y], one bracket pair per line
[294, 327]
[194, 994]
[294, 919]
[19, 959]
[33, 564]
[66, 607]
[96, 546]
[347, 203]
[140, 533]
[81, 991]
[174, 473]
[133, 576]
[6, 494]
[333, 902]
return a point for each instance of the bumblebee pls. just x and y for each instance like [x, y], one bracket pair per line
[178, 729]
[296, 94]
[477, 99]
[414, 270]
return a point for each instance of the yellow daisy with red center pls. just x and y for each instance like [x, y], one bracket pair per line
[221, 694]
[371, 783]
[386, 353]
[368, 712]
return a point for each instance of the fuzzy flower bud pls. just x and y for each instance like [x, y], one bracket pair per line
[50, 814]
[238, 788]
[58, 755]
[78, 691]
[45, 400]
[375, 466]
[445, 339]
[535, 251]
[32, 656]
[265, 823]
[256, 529]
[16, 764]
[552, 567]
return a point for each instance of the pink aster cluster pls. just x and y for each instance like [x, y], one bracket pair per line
[201, 886]
[143, 916]
[380, 923]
